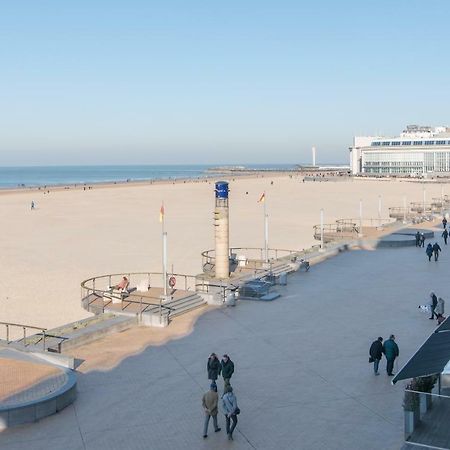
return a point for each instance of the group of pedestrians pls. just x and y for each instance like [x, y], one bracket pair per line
[228, 401]
[436, 308]
[420, 239]
[389, 349]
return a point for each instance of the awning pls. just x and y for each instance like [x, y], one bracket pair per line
[432, 356]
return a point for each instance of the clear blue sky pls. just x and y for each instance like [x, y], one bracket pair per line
[236, 81]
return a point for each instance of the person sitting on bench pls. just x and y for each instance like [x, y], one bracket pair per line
[122, 286]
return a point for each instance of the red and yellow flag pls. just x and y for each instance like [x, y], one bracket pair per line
[161, 213]
[262, 199]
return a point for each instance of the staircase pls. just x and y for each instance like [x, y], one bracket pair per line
[178, 306]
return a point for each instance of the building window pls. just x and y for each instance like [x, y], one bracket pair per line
[376, 144]
[429, 142]
[385, 144]
[406, 143]
[417, 142]
[395, 143]
[440, 142]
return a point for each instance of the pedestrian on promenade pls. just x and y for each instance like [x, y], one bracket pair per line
[227, 370]
[433, 305]
[210, 403]
[422, 239]
[436, 250]
[213, 367]
[391, 351]
[376, 353]
[445, 236]
[429, 251]
[444, 222]
[231, 410]
[418, 239]
[440, 307]
[32, 205]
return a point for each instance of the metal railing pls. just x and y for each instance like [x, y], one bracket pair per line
[24, 328]
[101, 287]
[254, 256]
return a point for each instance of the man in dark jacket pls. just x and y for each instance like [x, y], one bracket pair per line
[213, 367]
[433, 304]
[436, 250]
[376, 353]
[445, 236]
[429, 251]
[418, 239]
[227, 370]
[390, 350]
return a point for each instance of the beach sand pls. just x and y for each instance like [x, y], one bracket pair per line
[73, 234]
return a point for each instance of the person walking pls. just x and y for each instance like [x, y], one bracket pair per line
[210, 402]
[391, 351]
[436, 250]
[32, 205]
[418, 239]
[376, 353]
[422, 239]
[231, 410]
[445, 235]
[429, 251]
[213, 367]
[444, 222]
[227, 370]
[433, 304]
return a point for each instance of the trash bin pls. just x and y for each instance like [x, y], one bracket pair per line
[230, 299]
[282, 279]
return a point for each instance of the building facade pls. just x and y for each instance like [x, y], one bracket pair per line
[416, 152]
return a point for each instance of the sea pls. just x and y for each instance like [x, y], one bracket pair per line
[36, 176]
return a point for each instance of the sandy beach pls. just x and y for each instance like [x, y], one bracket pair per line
[75, 234]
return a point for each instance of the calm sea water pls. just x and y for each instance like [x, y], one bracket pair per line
[64, 175]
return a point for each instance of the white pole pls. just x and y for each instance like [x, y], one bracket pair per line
[360, 216]
[442, 199]
[266, 232]
[314, 156]
[379, 209]
[404, 209]
[321, 230]
[164, 239]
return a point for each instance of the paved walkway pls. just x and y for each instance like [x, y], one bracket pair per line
[302, 380]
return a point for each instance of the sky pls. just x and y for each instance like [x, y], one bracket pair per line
[215, 82]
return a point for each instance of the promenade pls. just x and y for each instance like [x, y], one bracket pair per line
[302, 378]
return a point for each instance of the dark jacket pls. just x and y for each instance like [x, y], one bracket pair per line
[376, 350]
[390, 349]
[434, 300]
[429, 250]
[445, 234]
[227, 368]
[213, 368]
[436, 248]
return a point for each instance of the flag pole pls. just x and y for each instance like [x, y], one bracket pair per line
[164, 249]
[266, 232]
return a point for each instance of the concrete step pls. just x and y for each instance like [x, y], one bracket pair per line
[185, 304]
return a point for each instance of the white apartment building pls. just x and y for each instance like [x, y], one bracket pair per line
[417, 151]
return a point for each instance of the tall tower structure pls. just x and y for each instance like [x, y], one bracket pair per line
[313, 156]
[222, 234]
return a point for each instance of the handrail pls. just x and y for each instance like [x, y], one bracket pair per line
[22, 325]
[24, 328]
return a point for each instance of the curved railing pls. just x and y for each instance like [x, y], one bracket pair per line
[420, 207]
[335, 231]
[100, 286]
[254, 256]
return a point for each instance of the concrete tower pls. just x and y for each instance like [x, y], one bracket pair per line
[221, 223]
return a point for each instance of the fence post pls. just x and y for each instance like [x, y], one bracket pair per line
[24, 335]
[160, 318]
[43, 339]
[7, 334]
[185, 283]
[93, 285]
[140, 310]
[109, 281]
